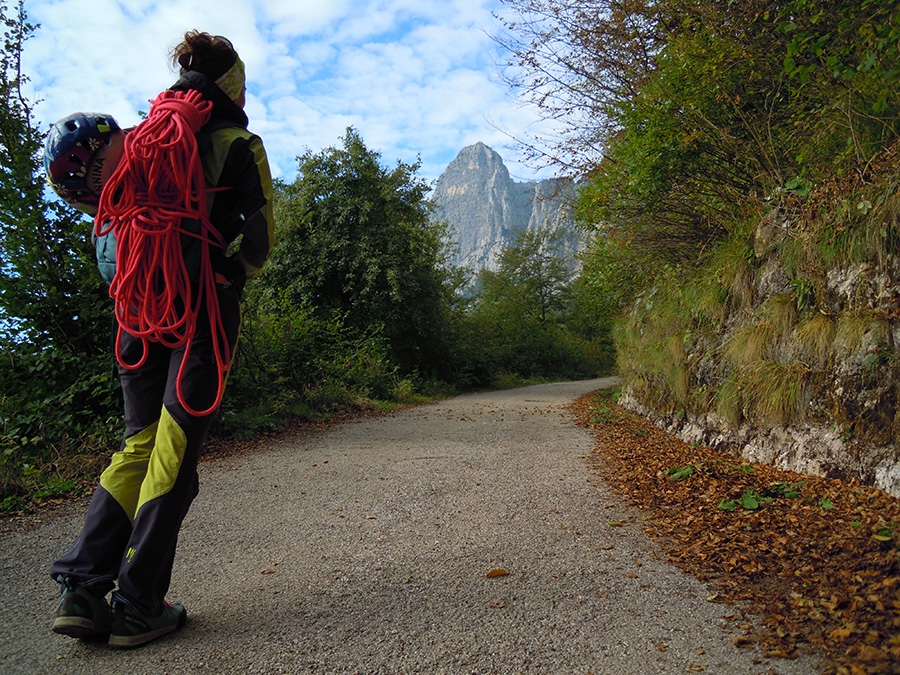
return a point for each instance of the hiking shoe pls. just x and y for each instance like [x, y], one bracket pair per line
[132, 629]
[82, 614]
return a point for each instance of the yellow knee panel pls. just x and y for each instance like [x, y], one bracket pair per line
[147, 465]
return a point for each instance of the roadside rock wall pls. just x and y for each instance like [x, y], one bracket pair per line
[848, 420]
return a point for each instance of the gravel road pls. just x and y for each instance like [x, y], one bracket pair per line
[369, 547]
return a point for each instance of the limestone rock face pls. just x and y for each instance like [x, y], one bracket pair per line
[485, 206]
[847, 423]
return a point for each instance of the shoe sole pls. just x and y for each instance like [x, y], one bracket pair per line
[128, 641]
[77, 627]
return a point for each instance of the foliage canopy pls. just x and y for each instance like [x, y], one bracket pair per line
[55, 391]
[356, 241]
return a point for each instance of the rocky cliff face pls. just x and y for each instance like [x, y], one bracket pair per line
[840, 356]
[485, 206]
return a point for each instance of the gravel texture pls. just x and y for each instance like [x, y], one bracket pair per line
[380, 546]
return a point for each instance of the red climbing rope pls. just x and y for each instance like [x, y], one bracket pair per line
[158, 188]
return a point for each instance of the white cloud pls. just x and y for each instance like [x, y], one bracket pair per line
[414, 77]
[291, 18]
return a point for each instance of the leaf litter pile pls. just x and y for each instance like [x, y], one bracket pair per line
[813, 563]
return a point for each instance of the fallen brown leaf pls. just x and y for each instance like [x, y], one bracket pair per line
[819, 571]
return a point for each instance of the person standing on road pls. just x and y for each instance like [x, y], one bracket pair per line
[172, 368]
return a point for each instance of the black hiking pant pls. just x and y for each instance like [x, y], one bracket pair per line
[131, 527]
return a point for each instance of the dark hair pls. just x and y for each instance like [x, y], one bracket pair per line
[211, 55]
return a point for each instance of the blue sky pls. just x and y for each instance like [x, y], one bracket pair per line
[416, 78]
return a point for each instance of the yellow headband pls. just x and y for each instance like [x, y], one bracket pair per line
[232, 82]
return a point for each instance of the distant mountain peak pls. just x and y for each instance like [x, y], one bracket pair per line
[485, 207]
[478, 154]
[475, 166]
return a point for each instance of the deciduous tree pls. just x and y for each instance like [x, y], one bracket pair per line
[525, 318]
[356, 241]
[55, 393]
[50, 292]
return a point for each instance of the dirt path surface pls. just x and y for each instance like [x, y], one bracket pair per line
[370, 548]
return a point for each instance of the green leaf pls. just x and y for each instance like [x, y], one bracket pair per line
[786, 490]
[727, 505]
[680, 473]
[749, 501]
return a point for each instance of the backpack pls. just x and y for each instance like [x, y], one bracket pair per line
[105, 249]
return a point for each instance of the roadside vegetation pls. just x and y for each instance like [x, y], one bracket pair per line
[739, 173]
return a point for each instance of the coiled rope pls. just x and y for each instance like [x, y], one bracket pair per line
[156, 189]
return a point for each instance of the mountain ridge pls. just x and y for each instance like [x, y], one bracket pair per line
[485, 207]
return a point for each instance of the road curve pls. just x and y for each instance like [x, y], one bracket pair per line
[377, 547]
